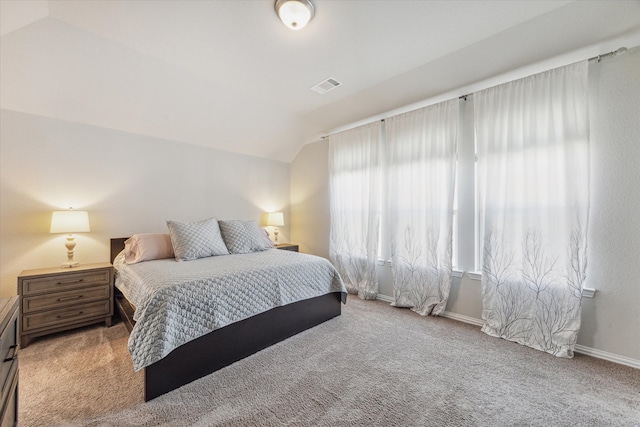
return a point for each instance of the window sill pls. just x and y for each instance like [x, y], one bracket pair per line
[457, 273]
[474, 275]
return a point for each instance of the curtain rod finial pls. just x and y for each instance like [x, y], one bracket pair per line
[619, 51]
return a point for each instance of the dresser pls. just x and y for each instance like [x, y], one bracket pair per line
[9, 368]
[57, 299]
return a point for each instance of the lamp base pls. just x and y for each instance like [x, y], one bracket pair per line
[70, 244]
[70, 264]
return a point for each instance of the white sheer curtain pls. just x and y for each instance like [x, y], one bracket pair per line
[533, 176]
[354, 189]
[420, 177]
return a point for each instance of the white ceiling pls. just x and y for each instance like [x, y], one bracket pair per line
[229, 75]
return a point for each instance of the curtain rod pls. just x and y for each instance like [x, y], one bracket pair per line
[597, 58]
[616, 52]
[327, 136]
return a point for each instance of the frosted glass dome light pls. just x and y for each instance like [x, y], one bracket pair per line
[295, 14]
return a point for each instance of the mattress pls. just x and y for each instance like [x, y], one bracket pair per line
[176, 302]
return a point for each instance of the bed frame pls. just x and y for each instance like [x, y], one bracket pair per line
[231, 343]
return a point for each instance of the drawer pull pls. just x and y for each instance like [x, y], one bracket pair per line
[67, 282]
[15, 354]
[70, 298]
[62, 316]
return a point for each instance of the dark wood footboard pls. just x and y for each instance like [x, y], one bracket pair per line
[236, 341]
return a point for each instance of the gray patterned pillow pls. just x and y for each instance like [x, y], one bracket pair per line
[242, 237]
[193, 240]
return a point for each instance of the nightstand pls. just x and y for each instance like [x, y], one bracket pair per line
[287, 247]
[57, 299]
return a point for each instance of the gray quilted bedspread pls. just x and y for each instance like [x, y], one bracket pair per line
[177, 302]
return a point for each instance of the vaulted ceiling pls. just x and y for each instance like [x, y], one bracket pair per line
[230, 75]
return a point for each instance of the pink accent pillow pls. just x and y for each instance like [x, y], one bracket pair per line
[147, 247]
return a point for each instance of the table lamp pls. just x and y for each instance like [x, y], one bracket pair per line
[275, 219]
[70, 221]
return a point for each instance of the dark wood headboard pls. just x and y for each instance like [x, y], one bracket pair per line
[117, 245]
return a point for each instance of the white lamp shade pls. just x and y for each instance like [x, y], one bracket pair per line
[275, 219]
[70, 222]
[295, 14]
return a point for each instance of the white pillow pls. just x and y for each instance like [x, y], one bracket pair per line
[243, 237]
[267, 240]
[193, 240]
[146, 247]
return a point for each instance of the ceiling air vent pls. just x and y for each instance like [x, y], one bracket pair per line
[326, 85]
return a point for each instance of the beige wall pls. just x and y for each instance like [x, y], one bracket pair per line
[128, 183]
[310, 199]
[611, 320]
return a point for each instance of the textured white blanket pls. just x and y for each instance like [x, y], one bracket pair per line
[177, 302]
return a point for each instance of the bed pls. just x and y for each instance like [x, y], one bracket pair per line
[223, 346]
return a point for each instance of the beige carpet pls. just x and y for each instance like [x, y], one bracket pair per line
[374, 365]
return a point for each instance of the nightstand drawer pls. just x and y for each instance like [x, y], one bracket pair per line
[63, 282]
[62, 299]
[31, 322]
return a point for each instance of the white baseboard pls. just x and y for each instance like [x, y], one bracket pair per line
[463, 318]
[449, 314]
[593, 352]
[385, 298]
[605, 355]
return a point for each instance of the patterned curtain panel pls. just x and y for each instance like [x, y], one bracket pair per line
[533, 176]
[420, 178]
[354, 190]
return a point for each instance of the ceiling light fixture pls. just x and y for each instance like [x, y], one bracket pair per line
[295, 14]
